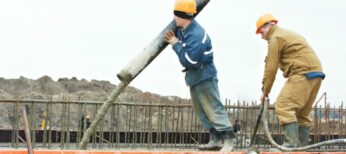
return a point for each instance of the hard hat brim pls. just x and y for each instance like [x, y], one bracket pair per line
[258, 29]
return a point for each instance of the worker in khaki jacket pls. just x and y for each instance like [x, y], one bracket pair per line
[294, 56]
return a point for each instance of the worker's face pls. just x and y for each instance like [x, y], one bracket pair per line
[180, 22]
[264, 29]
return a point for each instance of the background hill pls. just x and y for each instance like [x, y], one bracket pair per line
[72, 89]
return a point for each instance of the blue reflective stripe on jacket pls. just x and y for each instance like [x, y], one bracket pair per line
[195, 53]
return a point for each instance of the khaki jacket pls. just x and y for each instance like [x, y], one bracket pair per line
[291, 53]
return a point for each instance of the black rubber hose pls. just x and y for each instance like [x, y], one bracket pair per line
[259, 118]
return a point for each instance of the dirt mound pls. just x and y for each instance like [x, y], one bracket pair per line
[46, 88]
[73, 89]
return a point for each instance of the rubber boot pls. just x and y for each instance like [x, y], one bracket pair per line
[228, 143]
[304, 132]
[215, 141]
[291, 135]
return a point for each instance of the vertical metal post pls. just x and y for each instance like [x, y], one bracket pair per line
[134, 137]
[315, 123]
[49, 125]
[117, 142]
[68, 127]
[45, 114]
[32, 123]
[27, 132]
[94, 132]
[150, 125]
[100, 134]
[16, 125]
[111, 129]
[166, 127]
[79, 123]
[62, 133]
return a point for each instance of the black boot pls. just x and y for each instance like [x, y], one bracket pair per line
[215, 141]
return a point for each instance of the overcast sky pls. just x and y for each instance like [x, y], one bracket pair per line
[96, 39]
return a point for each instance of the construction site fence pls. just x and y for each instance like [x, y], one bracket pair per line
[128, 125]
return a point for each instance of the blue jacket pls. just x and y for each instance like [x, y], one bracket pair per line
[195, 53]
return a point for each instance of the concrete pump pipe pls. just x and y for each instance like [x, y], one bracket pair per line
[126, 75]
[143, 59]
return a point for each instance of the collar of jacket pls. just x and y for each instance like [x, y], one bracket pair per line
[190, 26]
[270, 32]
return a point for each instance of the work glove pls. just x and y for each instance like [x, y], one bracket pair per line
[170, 38]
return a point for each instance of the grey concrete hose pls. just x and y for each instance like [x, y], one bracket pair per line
[282, 148]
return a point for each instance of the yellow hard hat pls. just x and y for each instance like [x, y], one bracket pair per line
[265, 18]
[187, 6]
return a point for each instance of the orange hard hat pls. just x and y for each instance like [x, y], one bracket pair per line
[262, 20]
[187, 6]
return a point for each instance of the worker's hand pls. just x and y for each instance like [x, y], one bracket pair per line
[170, 38]
[264, 95]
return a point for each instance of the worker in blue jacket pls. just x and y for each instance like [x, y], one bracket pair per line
[193, 46]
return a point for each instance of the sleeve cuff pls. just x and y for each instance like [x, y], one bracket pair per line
[177, 47]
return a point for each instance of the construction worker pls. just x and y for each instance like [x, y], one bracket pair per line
[236, 126]
[194, 49]
[85, 122]
[295, 57]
